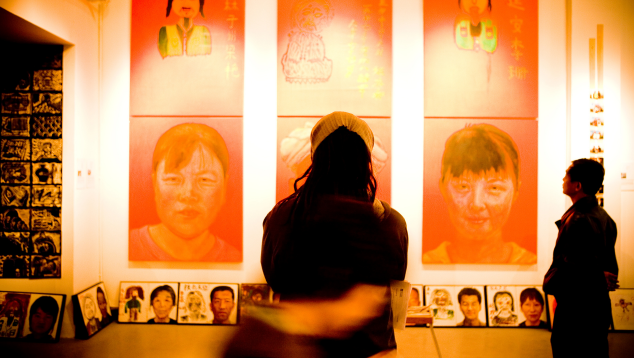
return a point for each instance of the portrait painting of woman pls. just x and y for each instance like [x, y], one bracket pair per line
[480, 192]
[194, 188]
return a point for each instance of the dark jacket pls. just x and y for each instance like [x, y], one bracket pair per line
[584, 250]
[339, 243]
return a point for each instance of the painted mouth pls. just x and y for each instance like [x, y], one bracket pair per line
[188, 213]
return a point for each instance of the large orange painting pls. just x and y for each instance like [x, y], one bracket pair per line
[185, 189]
[293, 153]
[187, 57]
[480, 192]
[481, 58]
[334, 55]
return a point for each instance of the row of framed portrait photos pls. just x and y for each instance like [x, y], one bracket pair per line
[37, 317]
[504, 306]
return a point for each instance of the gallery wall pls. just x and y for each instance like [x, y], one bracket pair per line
[76, 27]
[95, 223]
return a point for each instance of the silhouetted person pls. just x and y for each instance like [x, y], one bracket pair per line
[583, 257]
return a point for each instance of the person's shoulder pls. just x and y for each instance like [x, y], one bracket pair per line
[521, 256]
[439, 255]
[281, 210]
[391, 214]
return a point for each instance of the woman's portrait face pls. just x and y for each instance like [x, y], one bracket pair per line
[188, 199]
[441, 299]
[41, 322]
[479, 205]
[186, 8]
[311, 17]
[503, 302]
[532, 310]
[162, 305]
[194, 303]
[101, 301]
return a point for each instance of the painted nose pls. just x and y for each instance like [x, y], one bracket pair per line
[477, 199]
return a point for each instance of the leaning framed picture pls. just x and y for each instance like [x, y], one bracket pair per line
[623, 309]
[208, 303]
[148, 302]
[91, 311]
[35, 317]
[253, 295]
[502, 306]
[441, 302]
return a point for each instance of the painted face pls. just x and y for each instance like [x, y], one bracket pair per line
[503, 302]
[312, 17]
[222, 305]
[470, 306]
[41, 322]
[13, 309]
[162, 305]
[441, 299]
[413, 299]
[188, 199]
[479, 205]
[101, 301]
[89, 309]
[186, 8]
[532, 310]
[257, 297]
[194, 303]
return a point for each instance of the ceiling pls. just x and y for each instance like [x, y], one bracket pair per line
[15, 29]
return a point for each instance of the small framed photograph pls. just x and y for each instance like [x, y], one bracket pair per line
[623, 309]
[532, 307]
[502, 306]
[253, 295]
[46, 266]
[472, 308]
[14, 266]
[194, 304]
[148, 302]
[35, 317]
[221, 300]
[442, 303]
[91, 311]
[416, 296]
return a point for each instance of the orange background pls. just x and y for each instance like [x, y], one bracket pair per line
[456, 80]
[381, 127]
[144, 133]
[521, 226]
[339, 93]
[184, 85]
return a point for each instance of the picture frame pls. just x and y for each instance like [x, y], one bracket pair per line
[253, 295]
[471, 304]
[622, 309]
[33, 317]
[442, 304]
[532, 307]
[502, 306]
[196, 306]
[136, 306]
[91, 311]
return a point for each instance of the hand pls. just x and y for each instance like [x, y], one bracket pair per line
[611, 280]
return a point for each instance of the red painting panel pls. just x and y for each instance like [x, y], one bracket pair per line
[293, 153]
[334, 55]
[481, 58]
[480, 191]
[190, 62]
[185, 189]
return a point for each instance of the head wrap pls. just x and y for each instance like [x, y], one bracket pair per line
[333, 121]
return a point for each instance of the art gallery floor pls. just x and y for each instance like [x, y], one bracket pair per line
[153, 341]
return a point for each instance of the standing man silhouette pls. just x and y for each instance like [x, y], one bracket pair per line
[584, 257]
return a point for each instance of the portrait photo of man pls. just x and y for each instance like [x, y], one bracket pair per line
[470, 303]
[223, 302]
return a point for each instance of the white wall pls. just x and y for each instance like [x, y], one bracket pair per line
[72, 21]
[102, 213]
